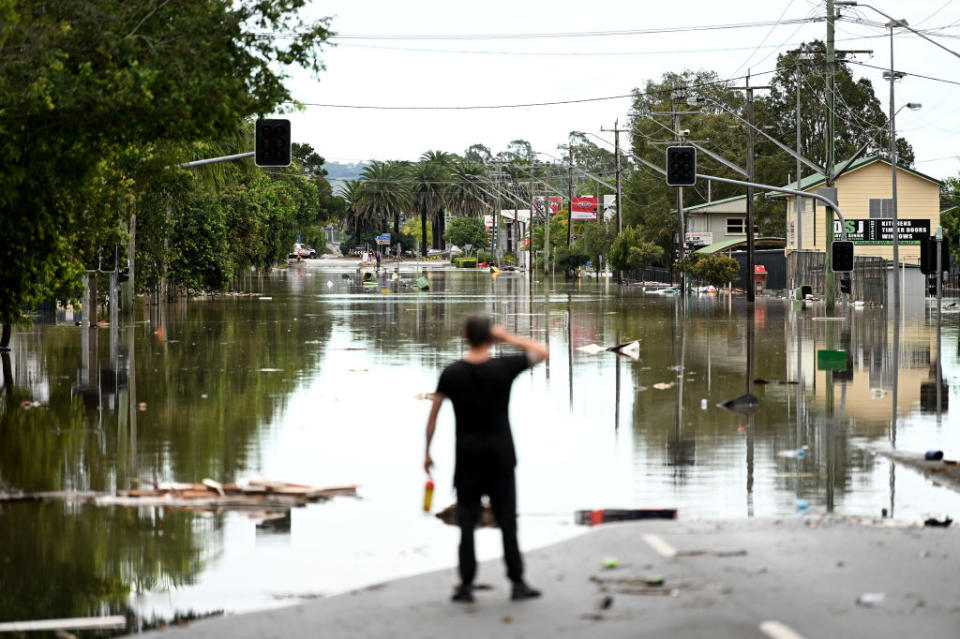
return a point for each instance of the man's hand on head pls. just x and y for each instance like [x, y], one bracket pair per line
[498, 333]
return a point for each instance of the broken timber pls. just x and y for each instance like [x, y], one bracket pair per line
[208, 495]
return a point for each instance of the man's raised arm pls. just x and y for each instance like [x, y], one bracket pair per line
[536, 351]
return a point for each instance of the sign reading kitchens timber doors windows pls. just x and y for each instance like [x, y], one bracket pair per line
[880, 231]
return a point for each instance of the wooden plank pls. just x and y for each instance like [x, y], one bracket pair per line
[73, 623]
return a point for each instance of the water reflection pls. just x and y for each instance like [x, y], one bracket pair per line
[313, 378]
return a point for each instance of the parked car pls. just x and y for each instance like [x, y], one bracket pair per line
[302, 251]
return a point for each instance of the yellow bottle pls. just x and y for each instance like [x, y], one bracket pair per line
[428, 495]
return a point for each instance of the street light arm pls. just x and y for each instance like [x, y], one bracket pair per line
[813, 165]
[780, 189]
[716, 157]
[899, 23]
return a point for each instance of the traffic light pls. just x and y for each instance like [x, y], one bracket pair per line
[123, 275]
[928, 256]
[845, 285]
[932, 286]
[272, 143]
[681, 165]
[841, 256]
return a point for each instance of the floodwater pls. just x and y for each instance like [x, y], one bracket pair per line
[317, 380]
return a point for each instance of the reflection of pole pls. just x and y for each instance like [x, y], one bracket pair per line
[896, 380]
[132, 392]
[751, 343]
[616, 405]
[939, 314]
[570, 199]
[570, 347]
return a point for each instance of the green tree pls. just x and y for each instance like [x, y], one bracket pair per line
[429, 178]
[467, 230]
[596, 241]
[716, 270]
[100, 96]
[384, 197]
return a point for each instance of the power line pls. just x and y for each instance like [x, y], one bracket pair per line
[560, 34]
[516, 106]
[916, 75]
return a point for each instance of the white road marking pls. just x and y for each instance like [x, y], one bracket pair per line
[777, 630]
[662, 547]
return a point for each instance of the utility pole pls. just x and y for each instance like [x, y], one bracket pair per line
[678, 139]
[893, 181]
[533, 213]
[570, 197]
[751, 177]
[830, 281]
[796, 200]
[496, 218]
[616, 145]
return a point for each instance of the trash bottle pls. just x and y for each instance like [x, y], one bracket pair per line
[428, 495]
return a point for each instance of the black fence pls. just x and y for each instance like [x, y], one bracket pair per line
[775, 263]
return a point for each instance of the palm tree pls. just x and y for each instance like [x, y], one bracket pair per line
[353, 192]
[430, 189]
[386, 192]
[465, 195]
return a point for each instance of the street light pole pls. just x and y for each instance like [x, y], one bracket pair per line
[893, 180]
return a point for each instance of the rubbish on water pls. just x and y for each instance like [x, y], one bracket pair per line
[877, 393]
[26, 403]
[634, 582]
[142, 406]
[630, 349]
[932, 522]
[486, 520]
[745, 404]
[703, 404]
[799, 453]
[329, 284]
[676, 368]
[640, 389]
[762, 381]
[605, 603]
[871, 599]
[656, 592]
[933, 455]
[610, 515]
[385, 290]
[609, 563]
[593, 349]
[802, 506]
[428, 495]
[951, 462]
[203, 395]
[270, 370]
[264, 299]
[663, 385]
[423, 284]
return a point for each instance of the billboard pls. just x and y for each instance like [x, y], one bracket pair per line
[878, 231]
[555, 203]
[584, 209]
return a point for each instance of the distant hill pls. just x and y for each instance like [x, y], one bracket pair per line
[338, 173]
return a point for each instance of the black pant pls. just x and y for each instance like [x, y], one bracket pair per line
[501, 489]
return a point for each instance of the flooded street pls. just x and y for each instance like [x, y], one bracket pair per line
[317, 380]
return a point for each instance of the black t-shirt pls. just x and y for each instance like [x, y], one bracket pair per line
[480, 394]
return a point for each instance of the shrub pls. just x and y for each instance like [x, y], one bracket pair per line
[466, 262]
[509, 258]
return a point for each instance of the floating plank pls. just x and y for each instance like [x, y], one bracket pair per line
[73, 623]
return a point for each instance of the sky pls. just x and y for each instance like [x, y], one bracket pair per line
[382, 59]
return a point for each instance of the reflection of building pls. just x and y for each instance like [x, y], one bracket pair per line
[864, 390]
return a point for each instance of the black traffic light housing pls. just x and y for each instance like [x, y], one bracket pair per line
[845, 285]
[932, 286]
[928, 256]
[681, 165]
[272, 143]
[841, 256]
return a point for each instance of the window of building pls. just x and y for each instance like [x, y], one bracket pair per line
[881, 208]
[735, 226]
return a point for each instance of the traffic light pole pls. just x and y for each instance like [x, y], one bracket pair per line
[222, 158]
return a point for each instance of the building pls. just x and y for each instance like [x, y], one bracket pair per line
[864, 198]
[716, 222]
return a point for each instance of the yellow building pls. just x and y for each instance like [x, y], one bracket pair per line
[864, 198]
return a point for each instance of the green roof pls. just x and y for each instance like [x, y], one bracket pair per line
[705, 204]
[718, 247]
[817, 178]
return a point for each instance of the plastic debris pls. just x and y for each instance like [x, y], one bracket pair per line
[663, 385]
[142, 406]
[640, 389]
[799, 453]
[676, 368]
[938, 523]
[802, 506]
[26, 404]
[264, 299]
[593, 349]
[610, 563]
[631, 350]
[703, 404]
[203, 395]
[329, 284]
[746, 404]
[871, 599]
[605, 603]
[933, 455]
[609, 515]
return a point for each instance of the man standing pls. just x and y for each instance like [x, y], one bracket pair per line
[479, 387]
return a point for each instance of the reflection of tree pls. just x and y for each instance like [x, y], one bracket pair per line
[93, 563]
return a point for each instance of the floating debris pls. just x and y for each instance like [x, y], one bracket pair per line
[746, 404]
[663, 385]
[640, 389]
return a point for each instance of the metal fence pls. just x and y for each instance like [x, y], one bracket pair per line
[867, 282]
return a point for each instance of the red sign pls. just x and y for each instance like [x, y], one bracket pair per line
[584, 209]
[555, 202]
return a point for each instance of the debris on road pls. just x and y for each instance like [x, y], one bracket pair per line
[663, 385]
[799, 453]
[938, 523]
[611, 515]
[871, 599]
[745, 404]
[609, 563]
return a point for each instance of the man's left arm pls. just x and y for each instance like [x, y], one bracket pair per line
[431, 428]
